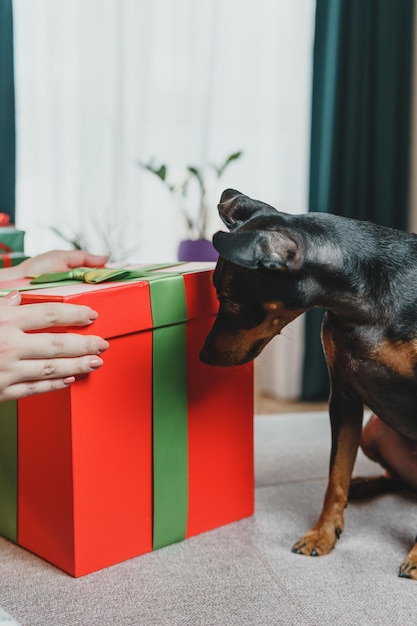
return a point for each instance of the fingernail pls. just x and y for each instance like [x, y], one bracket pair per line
[12, 295]
[103, 345]
[95, 362]
[93, 315]
[69, 380]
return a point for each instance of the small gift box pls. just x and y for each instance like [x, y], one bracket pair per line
[11, 243]
[11, 239]
[9, 259]
[151, 449]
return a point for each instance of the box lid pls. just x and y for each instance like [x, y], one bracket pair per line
[179, 293]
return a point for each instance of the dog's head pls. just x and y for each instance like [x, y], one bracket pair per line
[256, 279]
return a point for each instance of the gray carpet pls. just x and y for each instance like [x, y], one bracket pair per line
[245, 573]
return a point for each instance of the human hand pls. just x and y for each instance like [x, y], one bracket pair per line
[53, 261]
[32, 363]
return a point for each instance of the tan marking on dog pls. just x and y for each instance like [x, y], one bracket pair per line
[329, 347]
[232, 348]
[409, 568]
[278, 316]
[400, 357]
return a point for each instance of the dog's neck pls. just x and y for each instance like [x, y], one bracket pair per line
[338, 270]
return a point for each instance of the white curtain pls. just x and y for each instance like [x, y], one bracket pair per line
[102, 84]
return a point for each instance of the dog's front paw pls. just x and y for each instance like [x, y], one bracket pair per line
[409, 568]
[317, 541]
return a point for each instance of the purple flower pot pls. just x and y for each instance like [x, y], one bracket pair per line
[197, 250]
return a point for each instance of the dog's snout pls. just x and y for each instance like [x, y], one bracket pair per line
[255, 349]
[211, 355]
[205, 356]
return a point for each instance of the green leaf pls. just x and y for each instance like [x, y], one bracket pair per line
[232, 157]
[196, 172]
[75, 241]
[161, 172]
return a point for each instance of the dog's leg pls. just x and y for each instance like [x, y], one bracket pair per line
[346, 413]
[364, 487]
[409, 568]
[394, 452]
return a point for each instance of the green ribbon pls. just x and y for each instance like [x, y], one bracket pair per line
[170, 413]
[8, 470]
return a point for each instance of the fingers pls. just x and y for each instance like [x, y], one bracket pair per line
[11, 299]
[46, 315]
[37, 370]
[77, 258]
[21, 390]
[38, 362]
[54, 261]
[22, 376]
[61, 345]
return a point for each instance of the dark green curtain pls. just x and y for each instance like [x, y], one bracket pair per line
[7, 112]
[360, 131]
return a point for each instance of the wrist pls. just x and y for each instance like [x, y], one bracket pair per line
[11, 273]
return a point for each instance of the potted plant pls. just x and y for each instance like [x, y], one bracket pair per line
[102, 236]
[196, 246]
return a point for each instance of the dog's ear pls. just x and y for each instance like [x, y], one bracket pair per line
[273, 250]
[235, 208]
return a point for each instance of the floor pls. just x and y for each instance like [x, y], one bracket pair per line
[244, 573]
[266, 404]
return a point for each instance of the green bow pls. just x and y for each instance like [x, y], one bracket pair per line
[92, 276]
[96, 275]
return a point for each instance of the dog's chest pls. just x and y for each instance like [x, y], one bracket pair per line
[383, 373]
[363, 349]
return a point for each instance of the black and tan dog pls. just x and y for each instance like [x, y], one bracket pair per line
[273, 267]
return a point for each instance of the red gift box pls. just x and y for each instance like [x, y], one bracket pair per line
[152, 448]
